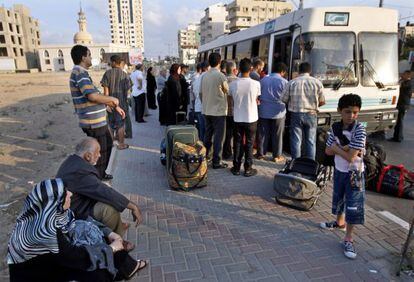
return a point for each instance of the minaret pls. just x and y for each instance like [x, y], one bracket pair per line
[82, 36]
[82, 19]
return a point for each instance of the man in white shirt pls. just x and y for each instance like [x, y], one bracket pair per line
[138, 92]
[198, 116]
[245, 93]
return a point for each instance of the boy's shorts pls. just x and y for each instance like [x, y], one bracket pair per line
[115, 121]
[348, 198]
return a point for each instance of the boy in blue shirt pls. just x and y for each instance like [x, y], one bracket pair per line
[346, 142]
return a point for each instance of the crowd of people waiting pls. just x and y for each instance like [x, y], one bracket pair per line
[71, 227]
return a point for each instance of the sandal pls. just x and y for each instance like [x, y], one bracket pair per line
[140, 265]
[123, 147]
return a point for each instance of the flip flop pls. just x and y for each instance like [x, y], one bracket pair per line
[140, 265]
[125, 146]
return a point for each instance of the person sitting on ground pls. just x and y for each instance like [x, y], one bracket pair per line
[116, 83]
[48, 244]
[91, 196]
[346, 141]
[245, 93]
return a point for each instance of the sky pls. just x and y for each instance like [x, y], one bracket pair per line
[162, 18]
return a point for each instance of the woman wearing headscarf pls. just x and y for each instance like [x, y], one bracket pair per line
[174, 96]
[151, 86]
[47, 244]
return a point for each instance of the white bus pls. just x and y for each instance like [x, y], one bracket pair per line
[351, 50]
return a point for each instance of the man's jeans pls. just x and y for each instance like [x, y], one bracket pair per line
[215, 127]
[200, 124]
[249, 131]
[303, 126]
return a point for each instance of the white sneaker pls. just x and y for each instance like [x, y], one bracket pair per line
[349, 250]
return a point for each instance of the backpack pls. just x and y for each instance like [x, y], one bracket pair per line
[188, 166]
[396, 180]
[321, 157]
[374, 160]
[300, 184]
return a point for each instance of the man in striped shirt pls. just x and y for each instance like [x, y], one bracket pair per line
[90, 106]
[303, 96]
[346, 142]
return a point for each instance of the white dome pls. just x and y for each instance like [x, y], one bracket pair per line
[82, 37]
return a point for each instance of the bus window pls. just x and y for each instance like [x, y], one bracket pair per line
[243, 50]
[223, 53]
[205, 56]
[255, 48]
[331, 55]
[264, 48]
[282, 49]
[229, 52]
[233, 56]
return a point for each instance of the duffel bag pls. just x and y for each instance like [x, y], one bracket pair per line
[188, 168]
[396, 180]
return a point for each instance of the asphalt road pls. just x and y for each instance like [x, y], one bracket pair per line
[397, 153]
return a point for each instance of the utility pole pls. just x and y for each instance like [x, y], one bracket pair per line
[381, 2]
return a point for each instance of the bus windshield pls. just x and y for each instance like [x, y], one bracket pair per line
[331, 56]
[379, 52]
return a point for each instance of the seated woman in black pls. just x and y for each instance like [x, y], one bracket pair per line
[47, 244]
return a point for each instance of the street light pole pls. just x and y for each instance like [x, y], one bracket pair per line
[381, 2]
[300, 4]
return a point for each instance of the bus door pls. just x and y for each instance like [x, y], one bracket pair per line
[280, 48]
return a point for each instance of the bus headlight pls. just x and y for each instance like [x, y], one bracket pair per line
[322, 121]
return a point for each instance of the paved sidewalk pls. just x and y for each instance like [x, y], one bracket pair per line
[232, 230]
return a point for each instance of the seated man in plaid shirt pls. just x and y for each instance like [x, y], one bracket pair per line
[303, 96]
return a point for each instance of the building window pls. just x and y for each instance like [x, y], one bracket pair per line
[3, 52]
[31, 30]
[60, 53]
[30, 20]
[47, 62]
[8, 13]
[12, 39]
[10, 27]
[38, 42]
[18, 29]
[37, 35]
[21, 52]
[2, 39]
[15, 52]
[15, 16]
[1, 26]
[46, 54]
[33, 41]
[20, 40]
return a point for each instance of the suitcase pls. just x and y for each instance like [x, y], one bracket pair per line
[186, 134]
[188, 166]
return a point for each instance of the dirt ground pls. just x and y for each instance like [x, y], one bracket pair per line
[38, 129]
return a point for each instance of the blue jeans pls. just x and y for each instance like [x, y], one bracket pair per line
[346, 196]
[200, 124]
[303, 125]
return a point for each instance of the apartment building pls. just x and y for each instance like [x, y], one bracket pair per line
[243, 14]
[409, 29]
[126, 22]
[214, 23]
[19, 38]
[188, 42]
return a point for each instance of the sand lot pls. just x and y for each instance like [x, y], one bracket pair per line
[38, 129]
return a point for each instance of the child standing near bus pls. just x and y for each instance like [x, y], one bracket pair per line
[347, 142]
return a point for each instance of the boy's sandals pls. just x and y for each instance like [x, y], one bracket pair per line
[123, 147]
[140, 265]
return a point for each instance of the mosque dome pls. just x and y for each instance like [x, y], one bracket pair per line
[82, 36]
